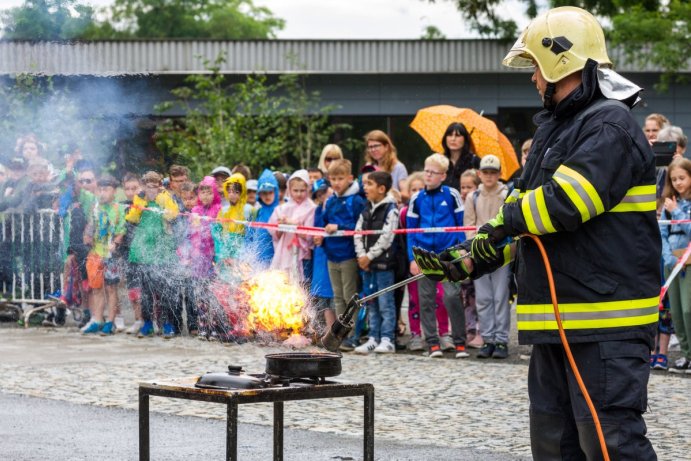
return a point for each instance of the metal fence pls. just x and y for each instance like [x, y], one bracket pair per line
[31, 255]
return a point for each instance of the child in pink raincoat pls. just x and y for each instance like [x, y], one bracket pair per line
[292, 251]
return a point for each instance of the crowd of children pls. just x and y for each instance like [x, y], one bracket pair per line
[173, 242]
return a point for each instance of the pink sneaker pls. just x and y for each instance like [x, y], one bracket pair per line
[476, 342]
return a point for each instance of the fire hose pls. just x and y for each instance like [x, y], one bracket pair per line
[341, 327]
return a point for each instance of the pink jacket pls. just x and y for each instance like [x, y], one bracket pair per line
[200, 231]
[288, 245]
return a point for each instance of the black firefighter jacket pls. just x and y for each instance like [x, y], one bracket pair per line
[588, 191]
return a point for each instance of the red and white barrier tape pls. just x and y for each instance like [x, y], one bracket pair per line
[677, 268]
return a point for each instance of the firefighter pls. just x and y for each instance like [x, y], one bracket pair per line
[588, 192]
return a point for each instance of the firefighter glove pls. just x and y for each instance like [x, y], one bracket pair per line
[437, 269]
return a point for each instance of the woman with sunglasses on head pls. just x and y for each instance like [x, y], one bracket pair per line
[330, 152]
[458, 148]
[380, 152]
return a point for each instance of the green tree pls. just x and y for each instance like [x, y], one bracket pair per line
[47, 20]
[649, 31]
[433, 33]
[214, 19]
[256, 122]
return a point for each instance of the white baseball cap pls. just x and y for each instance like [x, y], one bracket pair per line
[490, 162]
[221, 170]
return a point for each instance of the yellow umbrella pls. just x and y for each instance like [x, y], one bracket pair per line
[431, 123]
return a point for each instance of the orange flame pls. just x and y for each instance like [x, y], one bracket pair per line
[275, 304]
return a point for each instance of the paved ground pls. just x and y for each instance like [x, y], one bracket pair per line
[448, 404]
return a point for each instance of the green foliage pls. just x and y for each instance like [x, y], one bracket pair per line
[660, 37]
[47, 20]
[433, 33]
[213, 19]
[256, 122]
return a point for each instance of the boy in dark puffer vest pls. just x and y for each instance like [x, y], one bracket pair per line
[376, 257]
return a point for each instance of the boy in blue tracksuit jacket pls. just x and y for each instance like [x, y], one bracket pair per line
[437, 206]
[268, 198]
[341, 212]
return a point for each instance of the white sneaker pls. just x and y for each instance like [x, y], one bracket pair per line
[385, 347]
[366, 348]
[446, 343]
[136, 326]
[416, 344]
[119, 322]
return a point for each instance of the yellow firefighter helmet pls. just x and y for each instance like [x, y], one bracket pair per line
[559, 41]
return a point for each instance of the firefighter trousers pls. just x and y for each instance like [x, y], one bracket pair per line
[616, 376]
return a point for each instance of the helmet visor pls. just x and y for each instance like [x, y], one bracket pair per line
[518, 58]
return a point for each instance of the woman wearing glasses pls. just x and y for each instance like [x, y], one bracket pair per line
[330, 152]
[381, 153]
[458, 148]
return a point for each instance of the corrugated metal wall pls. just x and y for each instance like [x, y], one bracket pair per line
[272, 56]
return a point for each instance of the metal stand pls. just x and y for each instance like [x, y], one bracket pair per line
[184, 389]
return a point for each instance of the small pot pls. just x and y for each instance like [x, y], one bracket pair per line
[303, 365]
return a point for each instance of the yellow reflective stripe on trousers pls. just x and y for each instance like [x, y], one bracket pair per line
[639, 198]
[610, 314]
[535, 213]
[579, 190]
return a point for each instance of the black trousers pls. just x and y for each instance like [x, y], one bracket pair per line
[615, 374]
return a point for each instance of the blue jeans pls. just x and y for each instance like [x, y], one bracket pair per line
[382, 311]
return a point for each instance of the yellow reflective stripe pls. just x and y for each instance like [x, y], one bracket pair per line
[528, 217]
[522, 194]
[589, 307]
[589, 324]
[513, 198]
[542, 210]
[638, 198]
[585, 190]
[610, 314]
[573, 195]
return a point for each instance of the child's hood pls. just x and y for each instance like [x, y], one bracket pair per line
[497, 190]
[302, 175]
[353, 189]
[236, 178]
[209, 181]
[388, 198]
[267, 179]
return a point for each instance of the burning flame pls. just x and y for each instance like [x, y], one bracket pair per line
[275, 304]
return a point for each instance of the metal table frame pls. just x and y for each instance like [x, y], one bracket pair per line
[184, 389]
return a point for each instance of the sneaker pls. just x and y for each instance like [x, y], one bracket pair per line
[86, 318]
[435, 351]
[461, 352]
[416, 343]
[475, 343]
[108, 329]
[653, 358]
[446, 343]
[136, 326]
[168, 331]
[385, 347]
[147, 330]
[349, 345]
[86, 325]
[501, 351]
[119, 323]
[366, 348]
[660, 362]
[486, 351]
[93, 328]
[681, 366]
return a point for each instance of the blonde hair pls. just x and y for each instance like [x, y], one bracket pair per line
[660, 119]
[390, 158]
[341, 167]
[412, 177]
[439, 160]
[471, 173]
[151, 177]
[328, 149]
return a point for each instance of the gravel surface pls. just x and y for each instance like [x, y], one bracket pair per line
[465, 404]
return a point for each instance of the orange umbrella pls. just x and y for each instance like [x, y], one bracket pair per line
[431, 123]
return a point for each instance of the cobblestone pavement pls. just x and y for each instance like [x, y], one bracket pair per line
[468, 403]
